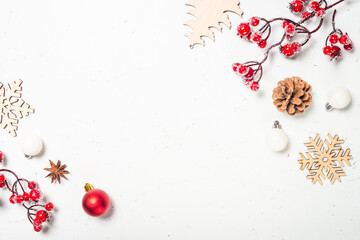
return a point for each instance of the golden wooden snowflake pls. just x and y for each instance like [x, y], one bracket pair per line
[209, 14]
[12, 106]
[325, 161]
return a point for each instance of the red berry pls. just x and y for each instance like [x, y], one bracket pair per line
[242, 69]
[12, 199]
[26, 196]
[247, 82]
[348, 47]
[296, 6]
[285, 24]
[254, 21]
[262, 43]
[327, 50]
[295, 46]
[32, 185]
[344, 39]
[19, 198]
[290, 28]
[35, 195]
[333, 38]
[2, 178]
[38, 228]
[320, 13]
[37, 222]
[336, 49]
[249, 74]
[41, 215]
[256, 37]
[2, 184]
[254, 86]
[314, 5]
[1, 156]
[305, 14]
[243, 29]
[287, 50]
[235, 66]
[49, 206]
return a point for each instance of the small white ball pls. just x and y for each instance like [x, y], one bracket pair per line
[31, 145]
[339, 97]
[277, 140]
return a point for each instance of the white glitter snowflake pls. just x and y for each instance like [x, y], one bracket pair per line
[12, 106]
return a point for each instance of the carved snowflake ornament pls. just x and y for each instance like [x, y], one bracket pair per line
[209, 14]
[12, 106]
[325, 161]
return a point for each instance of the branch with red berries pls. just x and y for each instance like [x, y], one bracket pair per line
[258, 30]
[20, 194]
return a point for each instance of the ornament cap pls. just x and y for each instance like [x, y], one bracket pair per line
[88, 187]
[277, 124]
[328, 107]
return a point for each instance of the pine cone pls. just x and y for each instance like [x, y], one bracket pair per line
[292, 95]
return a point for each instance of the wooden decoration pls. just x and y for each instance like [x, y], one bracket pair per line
[325, 162]
[209, 14]
[12, 106]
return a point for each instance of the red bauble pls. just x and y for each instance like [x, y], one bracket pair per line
[95, 202]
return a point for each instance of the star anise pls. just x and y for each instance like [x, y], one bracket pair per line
[56, 171]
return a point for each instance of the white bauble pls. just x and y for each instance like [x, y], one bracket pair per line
[277, 140]
[339, 97]
[31, 145]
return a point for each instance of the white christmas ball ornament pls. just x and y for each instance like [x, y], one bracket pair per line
[276, 139]
[31, 145]
[339, 97]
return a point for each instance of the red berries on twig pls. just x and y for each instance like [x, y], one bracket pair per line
[31, 195]
[258, 30]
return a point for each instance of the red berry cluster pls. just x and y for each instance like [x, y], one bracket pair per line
[258, 30]
[306, 11]
[31, 195]
[289, 50]
[245, 31]
[334, 51]
[247, 73]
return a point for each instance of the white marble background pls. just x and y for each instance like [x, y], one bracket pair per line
[171, 133]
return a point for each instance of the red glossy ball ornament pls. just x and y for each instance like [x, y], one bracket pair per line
[95, 201]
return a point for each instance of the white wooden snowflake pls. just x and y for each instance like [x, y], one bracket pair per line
[325, 162]
[13, 107]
